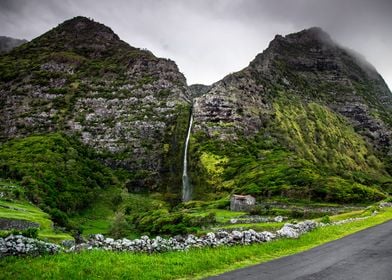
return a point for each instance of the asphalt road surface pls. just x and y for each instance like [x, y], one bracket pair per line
[366, 255]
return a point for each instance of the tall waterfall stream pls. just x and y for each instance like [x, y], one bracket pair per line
[186, 186]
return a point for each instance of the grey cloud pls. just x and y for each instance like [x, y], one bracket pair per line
[209, 39]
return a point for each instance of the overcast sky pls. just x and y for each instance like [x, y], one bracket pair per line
[211, 38]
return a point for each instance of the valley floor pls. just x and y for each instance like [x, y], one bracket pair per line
[194, 264]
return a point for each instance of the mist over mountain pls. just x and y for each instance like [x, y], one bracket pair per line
[8, 43]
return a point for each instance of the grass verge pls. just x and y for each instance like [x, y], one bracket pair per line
[194, 264]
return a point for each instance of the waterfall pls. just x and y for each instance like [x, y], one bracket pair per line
[186, 187]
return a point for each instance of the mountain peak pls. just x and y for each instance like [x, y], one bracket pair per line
[313, 36]
[309, 35]
[83, 36]
[83, 26]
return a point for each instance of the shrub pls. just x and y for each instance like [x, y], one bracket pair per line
[325, 220]
[171, 223]
[297, 214]
[257, 210]
[59, 217]
[120, 226]
[116, 200]
[31, 232]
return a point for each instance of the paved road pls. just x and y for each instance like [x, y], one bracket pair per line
[366, 255]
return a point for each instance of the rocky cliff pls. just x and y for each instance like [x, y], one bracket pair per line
[80, 78]
[323, 106]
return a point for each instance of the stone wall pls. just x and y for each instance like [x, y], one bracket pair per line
[7, 224]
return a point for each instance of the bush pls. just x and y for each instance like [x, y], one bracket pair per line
[171, 223]
[257, 210]
[297, 214]
[120, 226]
[116, 200]
[30, 232]
[59, 217]
[325, 220]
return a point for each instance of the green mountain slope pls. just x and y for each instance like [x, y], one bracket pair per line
[306, 119]
[81, 79]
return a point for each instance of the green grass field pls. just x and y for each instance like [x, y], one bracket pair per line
[194, 264]
[29, 212]
[20, 209]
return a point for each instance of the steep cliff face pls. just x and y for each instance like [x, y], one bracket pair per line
[304, 114]
[80, 78]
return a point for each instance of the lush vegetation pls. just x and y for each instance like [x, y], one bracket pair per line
[96, 64]
[308, 152]
[15, 206]
[58, 173]
[194, 264]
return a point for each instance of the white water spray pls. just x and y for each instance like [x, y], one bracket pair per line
[186, 187]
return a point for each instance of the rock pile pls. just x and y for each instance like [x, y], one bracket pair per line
[16, 245]
[295, 230]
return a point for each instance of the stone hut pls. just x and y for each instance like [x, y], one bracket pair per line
[242, 202]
